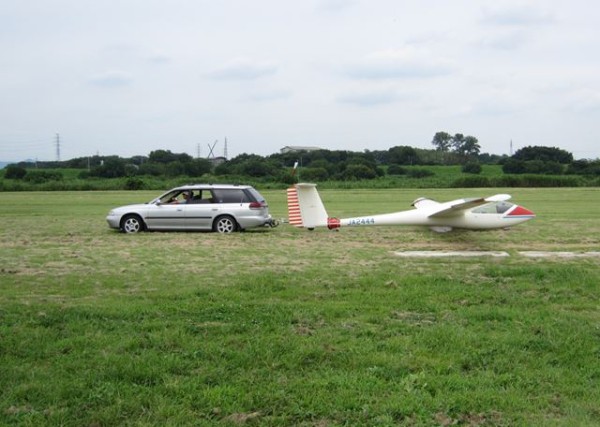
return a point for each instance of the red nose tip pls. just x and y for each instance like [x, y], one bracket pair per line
[521, 211]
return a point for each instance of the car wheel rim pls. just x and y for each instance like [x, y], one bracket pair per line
[225, 226]
[131, 226]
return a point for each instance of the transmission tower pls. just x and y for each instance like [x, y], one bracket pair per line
[211, 154]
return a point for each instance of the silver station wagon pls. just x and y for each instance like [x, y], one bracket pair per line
[222, 208]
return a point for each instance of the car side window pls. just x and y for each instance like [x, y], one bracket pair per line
[202, 197]
[169, 197]
[230, 196]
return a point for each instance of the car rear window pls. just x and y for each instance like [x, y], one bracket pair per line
[231, 196]
[256, 195]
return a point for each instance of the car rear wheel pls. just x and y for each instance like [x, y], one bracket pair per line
[225, 224]
[132, 224]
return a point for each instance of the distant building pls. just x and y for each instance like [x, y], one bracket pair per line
[295, 148]
[216, 161]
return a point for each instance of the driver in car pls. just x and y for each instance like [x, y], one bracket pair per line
[187, 196]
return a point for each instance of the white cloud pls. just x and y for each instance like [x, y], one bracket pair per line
[244, 69]
[407, 62]
[111, 79]
[159, 58]
[509, 40]
[520, 15]
[335, 5]
[369, 99]
[270, 95]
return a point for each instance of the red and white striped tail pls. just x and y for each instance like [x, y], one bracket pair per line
[294, 214]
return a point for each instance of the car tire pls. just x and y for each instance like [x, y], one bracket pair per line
[132, 224]
[225, 224]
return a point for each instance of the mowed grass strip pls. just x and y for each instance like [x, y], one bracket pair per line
[290, 327]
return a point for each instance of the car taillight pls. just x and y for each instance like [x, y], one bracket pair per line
[257, 205]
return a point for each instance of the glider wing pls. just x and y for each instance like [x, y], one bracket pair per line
[456, 207]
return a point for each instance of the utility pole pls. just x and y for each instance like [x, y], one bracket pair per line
[225, 149]
[57, 147]
[198, 149]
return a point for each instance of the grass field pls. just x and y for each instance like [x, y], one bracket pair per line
[291, 327]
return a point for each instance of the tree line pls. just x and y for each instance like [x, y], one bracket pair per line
[320, 165]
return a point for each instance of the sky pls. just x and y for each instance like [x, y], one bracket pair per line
[126, 77]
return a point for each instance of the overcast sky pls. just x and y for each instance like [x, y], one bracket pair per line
[127, 77]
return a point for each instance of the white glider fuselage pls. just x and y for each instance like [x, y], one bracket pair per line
[463, 219]
[307, 210]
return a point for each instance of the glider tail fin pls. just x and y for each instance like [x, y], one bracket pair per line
[305, 207]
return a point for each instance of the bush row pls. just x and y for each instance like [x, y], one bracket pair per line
[524, 181]
[405, 181]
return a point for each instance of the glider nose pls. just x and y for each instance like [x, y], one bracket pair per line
[521, 212]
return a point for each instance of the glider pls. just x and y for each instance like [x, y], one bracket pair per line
[306, 209]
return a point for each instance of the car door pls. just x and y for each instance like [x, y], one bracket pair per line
[232, 202]
[200, 211]
[165, 216]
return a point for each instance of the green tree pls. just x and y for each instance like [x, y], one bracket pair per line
[442, 142]
[314, 174]
[112, 167]
[466, 147]
[358, 171]
[513, 166]
[197, 167]
[545, 154]
[14, 172]
[403, 155]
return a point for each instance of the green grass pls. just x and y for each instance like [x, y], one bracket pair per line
[290, 327]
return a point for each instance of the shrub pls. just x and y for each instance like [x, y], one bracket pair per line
[471, 182]
[474, 168]
[419, 173]
[14, 172]
[396, 170]
[513, 166]
[357, 172]
[133, 183]
[584, 167]
[39, 177]
[536, 181]
[314, 174]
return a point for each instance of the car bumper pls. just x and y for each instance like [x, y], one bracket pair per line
[257, 221]
[113, 221]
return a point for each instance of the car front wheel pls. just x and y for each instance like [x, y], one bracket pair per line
[225, 224]
[132, 224]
